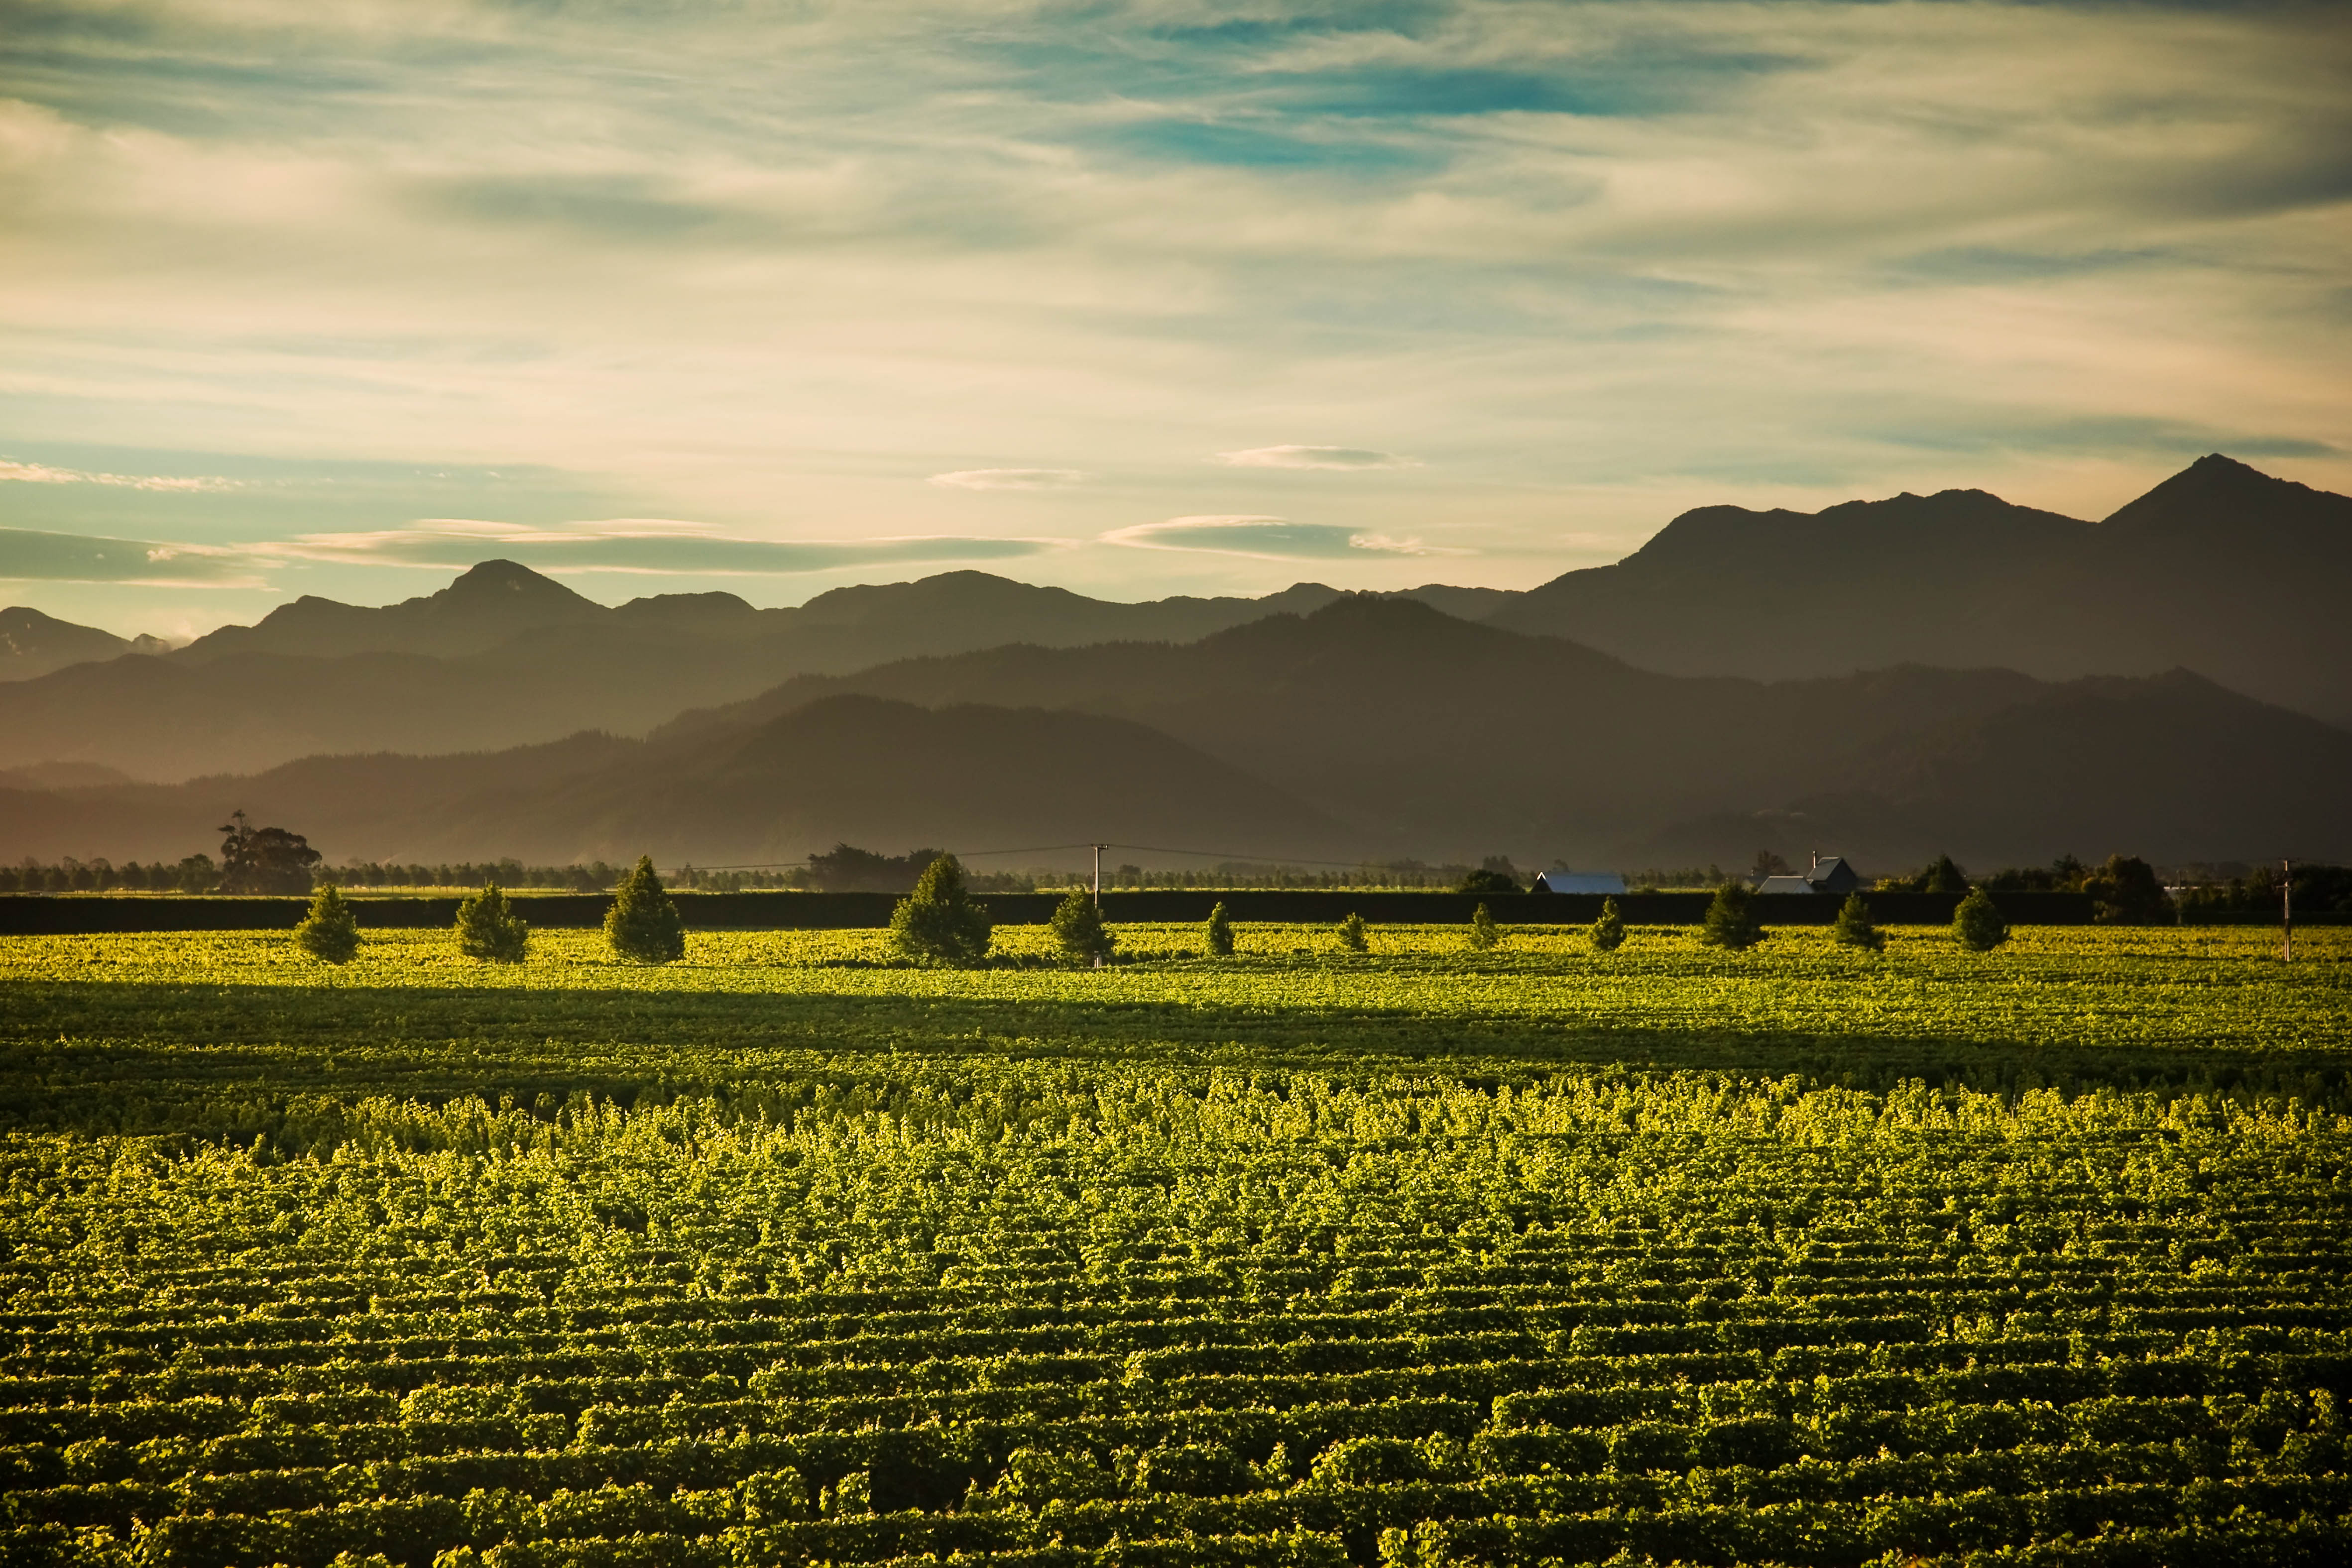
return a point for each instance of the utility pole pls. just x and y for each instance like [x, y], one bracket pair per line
[2286, 908]
[1098, 849]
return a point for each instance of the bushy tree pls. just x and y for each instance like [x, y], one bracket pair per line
[489, 928]
[196, 875]
[2126, 892]
[1352, 934]
[1731, 919]
[1484, 933]
[1978, 924]
[1854, 927]
[644, 925]
[1608, 933]
[1941, 875]
[264, 860]
[939, 923]
[1078, 926]
[1487, 879]
[1217, 933]
[328, 933]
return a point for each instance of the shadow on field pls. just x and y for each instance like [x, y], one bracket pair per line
[107, 1056]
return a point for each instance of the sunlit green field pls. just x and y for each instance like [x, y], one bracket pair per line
[1422, 1258]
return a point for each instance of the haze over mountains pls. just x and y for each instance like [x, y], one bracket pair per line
[974, 712]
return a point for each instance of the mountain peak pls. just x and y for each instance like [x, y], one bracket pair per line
[509, 582]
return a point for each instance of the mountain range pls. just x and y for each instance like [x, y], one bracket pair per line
[1883, 679]
[1370, 728]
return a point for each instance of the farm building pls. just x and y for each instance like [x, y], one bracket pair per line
[1579, 882]
[1830, 875]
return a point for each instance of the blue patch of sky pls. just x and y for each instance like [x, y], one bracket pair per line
[1259, 144]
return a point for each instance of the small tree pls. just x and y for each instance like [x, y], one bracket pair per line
[1608, 933]
[644, 925]
[1078, 926]
[939, 923]
[489, 928]
[1854, 928]
[1484, 933]
[1352, 935]
[328, 933]
[1217, 934]
[1978, 924]
[1731, 919]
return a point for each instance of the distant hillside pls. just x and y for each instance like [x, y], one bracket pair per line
[1440, 738]
[2222, 570]
[849, 768]
[504, 656]
[32, 643]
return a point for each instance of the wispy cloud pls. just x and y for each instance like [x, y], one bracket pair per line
[29, 555]
[42, 474]
[653, 546]
[1339, 458]
[1009, 479]
[1267, 538]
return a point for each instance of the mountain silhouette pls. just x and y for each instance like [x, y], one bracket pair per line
[32, 643]
[1374, 727]
[2221, 568]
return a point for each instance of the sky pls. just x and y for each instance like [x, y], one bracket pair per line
[339, 296]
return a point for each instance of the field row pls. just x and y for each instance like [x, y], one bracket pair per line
[1046, 1314]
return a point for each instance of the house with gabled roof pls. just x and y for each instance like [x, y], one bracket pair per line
[1831, 874]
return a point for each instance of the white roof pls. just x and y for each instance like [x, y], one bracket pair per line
[1582, 881]
[1786, 885]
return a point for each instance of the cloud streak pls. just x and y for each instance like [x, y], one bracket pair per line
[42, 474]
[1331, 459]
[1267, 538]
[1008, 479]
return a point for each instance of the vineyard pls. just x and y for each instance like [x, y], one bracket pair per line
[783, 1255]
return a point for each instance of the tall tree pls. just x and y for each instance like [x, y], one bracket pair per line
[2126, 892]
[644, 925]
[940, 921]
[264, 860]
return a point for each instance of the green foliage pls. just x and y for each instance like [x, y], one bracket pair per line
[1942, 876]
[1585, 1316]
[1854, 927]
[1978, 924]
[644, 925]
[489, 928]
[1078, 927]
[1217, 933]
[1607, 934]
[1485, 934]
[329, 932]
[2126, 892]
[940, 923]
[1353, 936]
[1488, 880]
[264, 860]
[1732, 920]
